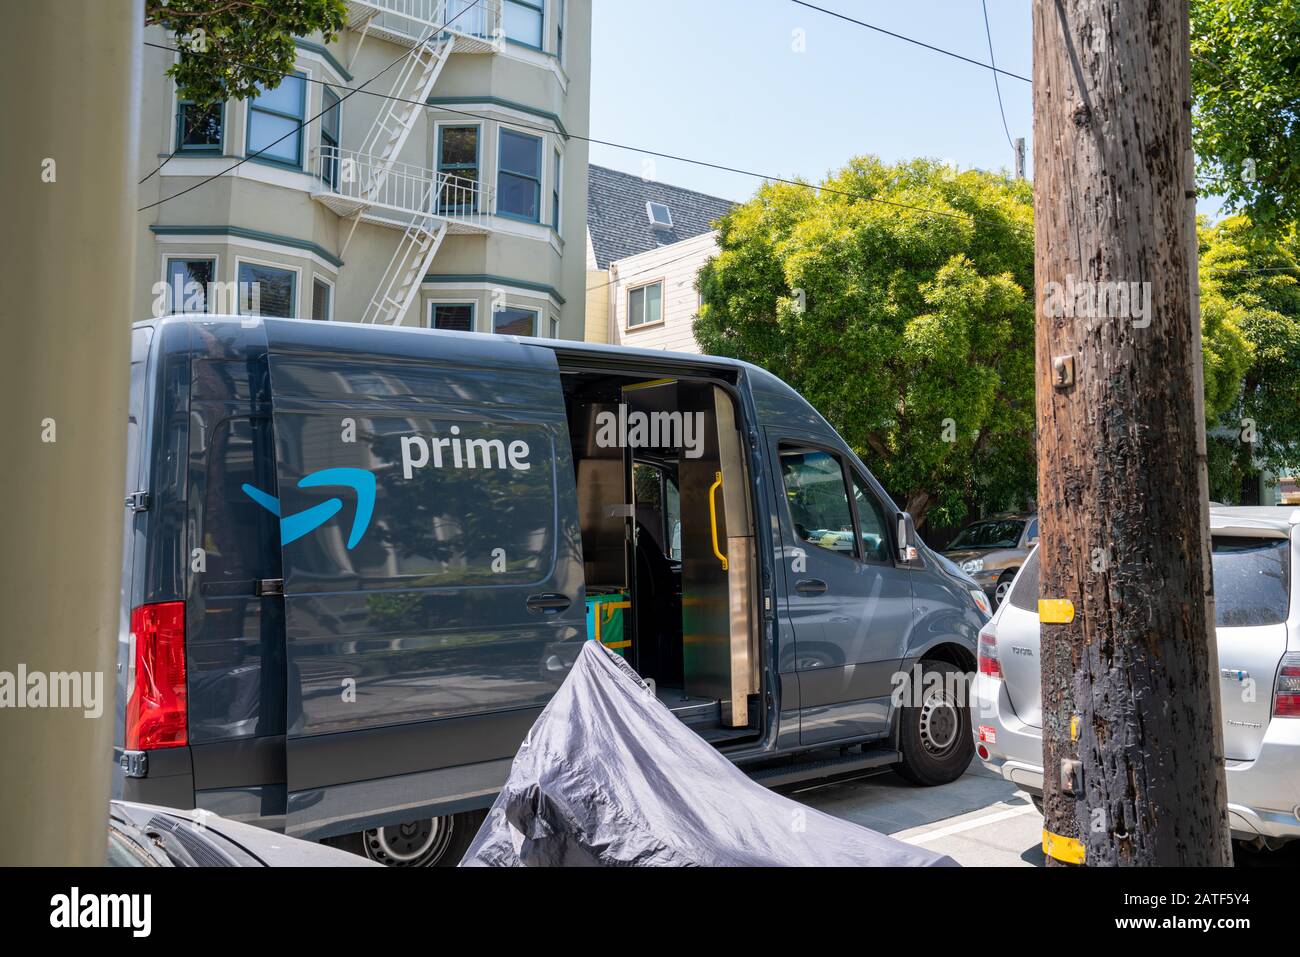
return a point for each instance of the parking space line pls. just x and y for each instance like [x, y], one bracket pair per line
[969, 824]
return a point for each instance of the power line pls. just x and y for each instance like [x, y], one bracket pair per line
[996, 84]
[307, 122]
[621, 146]
[899, 36]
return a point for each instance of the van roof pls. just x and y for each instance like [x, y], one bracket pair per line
[327, 331]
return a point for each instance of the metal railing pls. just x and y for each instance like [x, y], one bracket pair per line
[401, 187]
[471, 18]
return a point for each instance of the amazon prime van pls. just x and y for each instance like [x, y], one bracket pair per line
[359, 561]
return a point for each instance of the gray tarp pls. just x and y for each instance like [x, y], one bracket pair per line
[608, 776]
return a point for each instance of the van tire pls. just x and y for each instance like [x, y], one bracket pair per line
[430, 842]
[935, 739]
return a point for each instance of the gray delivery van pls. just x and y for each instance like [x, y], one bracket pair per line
[359, 561]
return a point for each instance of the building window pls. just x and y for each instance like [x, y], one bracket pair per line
[456, 316]
[555, 328]
[519, 183]
[512, 321]
[187, 284]
[322, 300]
[329, 137]
[458, 158]
[555, 195]
[645, 305]
[559, 31]
[275, 122]
[523, 22]
[198, 128]
[267, 291]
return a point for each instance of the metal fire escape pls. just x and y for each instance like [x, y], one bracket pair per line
[370, 184]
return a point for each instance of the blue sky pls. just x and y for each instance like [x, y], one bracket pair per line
[719, 80]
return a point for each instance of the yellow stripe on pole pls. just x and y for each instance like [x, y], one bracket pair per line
[1064, 849]
[1055, 611]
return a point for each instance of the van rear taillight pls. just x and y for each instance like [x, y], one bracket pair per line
[156, 709]
[989, 663]
[1286, 699]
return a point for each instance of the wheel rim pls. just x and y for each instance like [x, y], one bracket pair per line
[1000, 593]
[940, 723]
[410, 844]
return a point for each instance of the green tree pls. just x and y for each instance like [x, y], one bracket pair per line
[1245, 101]
[236, 44]
[913, 332]
[1253, 281]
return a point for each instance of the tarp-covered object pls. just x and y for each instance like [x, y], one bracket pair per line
[608, 776]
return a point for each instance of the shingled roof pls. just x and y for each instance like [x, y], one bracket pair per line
[617, 220]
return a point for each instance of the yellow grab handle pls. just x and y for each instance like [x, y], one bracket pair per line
[713, 517]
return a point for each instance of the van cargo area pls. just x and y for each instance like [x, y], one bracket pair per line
[668, 542]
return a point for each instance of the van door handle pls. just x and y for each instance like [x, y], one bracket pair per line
[810, 586]
[548, 604]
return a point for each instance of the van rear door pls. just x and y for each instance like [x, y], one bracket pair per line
[432, 561]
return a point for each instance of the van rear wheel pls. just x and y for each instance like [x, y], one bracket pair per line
[934, 738]
[429, 842]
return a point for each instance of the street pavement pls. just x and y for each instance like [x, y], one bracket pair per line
[979, 820]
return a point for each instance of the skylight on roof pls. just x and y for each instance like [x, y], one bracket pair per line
[660, 216]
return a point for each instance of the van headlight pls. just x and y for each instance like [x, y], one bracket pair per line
[982, 601]
[972, 565]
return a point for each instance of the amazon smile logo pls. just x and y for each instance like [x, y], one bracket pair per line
[295, 527]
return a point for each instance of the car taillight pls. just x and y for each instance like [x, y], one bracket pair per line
[156, 708]
[989, 663]
[1286, 699]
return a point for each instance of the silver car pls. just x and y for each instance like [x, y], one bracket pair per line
[1257, 596]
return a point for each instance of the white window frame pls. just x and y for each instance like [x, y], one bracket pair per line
[216, 277]
[332, 285]
[538, 312]
[472, 303]
[662, 283]
[542, 164]
[297, 283]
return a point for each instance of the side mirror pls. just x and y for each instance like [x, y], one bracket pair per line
[907, 551]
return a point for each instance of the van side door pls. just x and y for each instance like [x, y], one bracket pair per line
[432, 562]
[850, 608]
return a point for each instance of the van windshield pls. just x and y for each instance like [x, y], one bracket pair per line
[1000, 534]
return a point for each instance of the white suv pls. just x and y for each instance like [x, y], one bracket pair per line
[1257, 610]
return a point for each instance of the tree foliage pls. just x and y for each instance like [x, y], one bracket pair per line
[1253, 282]
[233, 45]
[912, 332]
[1245, 104]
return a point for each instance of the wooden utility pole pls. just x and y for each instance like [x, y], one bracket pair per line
[1132, 739]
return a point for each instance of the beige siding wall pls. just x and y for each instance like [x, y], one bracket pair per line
[598, 286]
[532, 265]
[676, 267]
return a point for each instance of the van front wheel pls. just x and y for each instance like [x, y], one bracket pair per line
[430, 842]
[934, 737]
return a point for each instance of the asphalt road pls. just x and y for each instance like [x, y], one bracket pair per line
[979, 820]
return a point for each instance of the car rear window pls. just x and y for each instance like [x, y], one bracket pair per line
[1252, 581]
[1025, 593]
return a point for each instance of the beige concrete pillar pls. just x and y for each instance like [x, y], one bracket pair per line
[69, 95]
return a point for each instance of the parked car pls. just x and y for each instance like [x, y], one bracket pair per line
[1255, 554]
[359, 561]
[143, 836]
[992, 550]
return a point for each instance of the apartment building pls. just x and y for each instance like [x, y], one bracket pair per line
[454, 198]
[646, 244]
